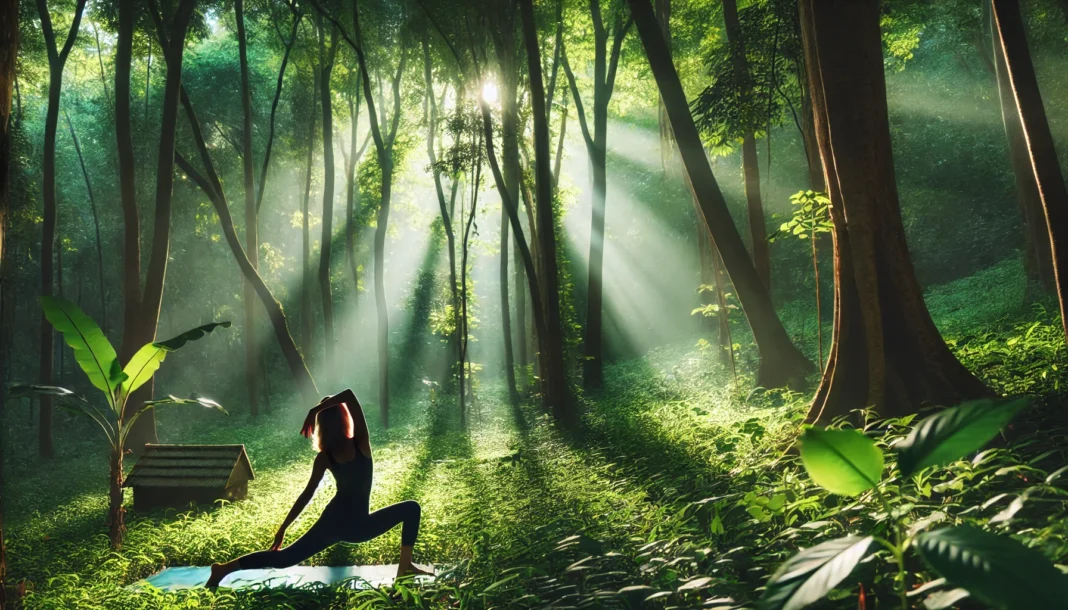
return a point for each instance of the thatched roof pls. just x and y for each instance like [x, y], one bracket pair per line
[203, 466]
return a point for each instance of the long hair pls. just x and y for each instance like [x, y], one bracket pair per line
[333, 429]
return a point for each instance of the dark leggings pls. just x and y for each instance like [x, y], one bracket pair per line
[334, 526]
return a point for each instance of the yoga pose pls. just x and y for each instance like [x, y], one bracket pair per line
[347, 518]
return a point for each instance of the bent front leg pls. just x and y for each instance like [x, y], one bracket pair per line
[381, 521]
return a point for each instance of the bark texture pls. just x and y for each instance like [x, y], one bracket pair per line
[886, 352]
[557, 392]
[1052, 191]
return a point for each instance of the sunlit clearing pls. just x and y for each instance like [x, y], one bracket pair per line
[639, 247]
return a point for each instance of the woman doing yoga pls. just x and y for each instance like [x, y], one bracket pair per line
[345, 450]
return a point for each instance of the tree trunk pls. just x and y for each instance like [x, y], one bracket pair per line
[57, 59]
[131, 259]
[385, 160]
[326, 67]
[504, 42]
[213, 189]
[144, 430]
[9, 46]
[781, 363]
[96, 225]
[252, 240]
[668, 156]
[604, 73]
[352, 191]
[1046, 183]
[116, 527]
[445, 208]
[306, 277]
[560, 146]
[812, 147]
[48, 243]
[750, 168]
[886, 352]
[557, 394]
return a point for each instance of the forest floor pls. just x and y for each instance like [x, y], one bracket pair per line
[677, 490]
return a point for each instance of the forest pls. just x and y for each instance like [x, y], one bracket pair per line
[641, 304]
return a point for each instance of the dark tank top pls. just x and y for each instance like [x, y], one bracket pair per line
[353, 479]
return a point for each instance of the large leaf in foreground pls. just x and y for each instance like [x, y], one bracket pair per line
[844, 462]
[92, 350]
[998, 570]
[147, 360]
[953, 433]
[811, 574]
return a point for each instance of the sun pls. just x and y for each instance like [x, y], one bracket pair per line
[489, 92]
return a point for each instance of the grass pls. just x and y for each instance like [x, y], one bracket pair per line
[678, 489]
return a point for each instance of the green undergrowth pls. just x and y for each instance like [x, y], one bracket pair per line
[680, 489]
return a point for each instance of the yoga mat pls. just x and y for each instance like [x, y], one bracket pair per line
[358, 577]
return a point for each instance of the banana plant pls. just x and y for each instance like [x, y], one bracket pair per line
[117, 383]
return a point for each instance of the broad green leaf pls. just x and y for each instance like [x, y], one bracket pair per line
[953, 433]
[19, 391]
[207, 403]
[92, 350]
[844, 462]
[148, 359]
[811, 574]
[997, 570]
[68, 401]
[943, 600]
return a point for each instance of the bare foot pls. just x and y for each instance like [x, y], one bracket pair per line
[413, 570]
[218, 573]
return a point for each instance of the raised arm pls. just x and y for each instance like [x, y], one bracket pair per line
[359, 421]
[318, 469]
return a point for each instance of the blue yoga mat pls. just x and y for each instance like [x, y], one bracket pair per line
[357, 577]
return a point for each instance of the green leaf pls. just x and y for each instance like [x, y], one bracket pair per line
[997, 570]
[192, 400]
[92, 350]
[953, 433]
[207, 403]
[844, 462]
[148, 359]
[811, 574]
[944, 600]
[68, 401]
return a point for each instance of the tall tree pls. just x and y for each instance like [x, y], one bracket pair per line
[252, 240]
[210, 183]
[327, 55]
[445, 208]
[557, 391]
[605, 64]
[306, 281]
[9, 47]
[750, 168]
[384, 135]
[1047, 171]
[142, 308]
[57, 60]
[886, 352]
[1038, 257]
[781, 363]
[504, 43]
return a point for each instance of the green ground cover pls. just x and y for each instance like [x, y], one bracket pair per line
[679, 490]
